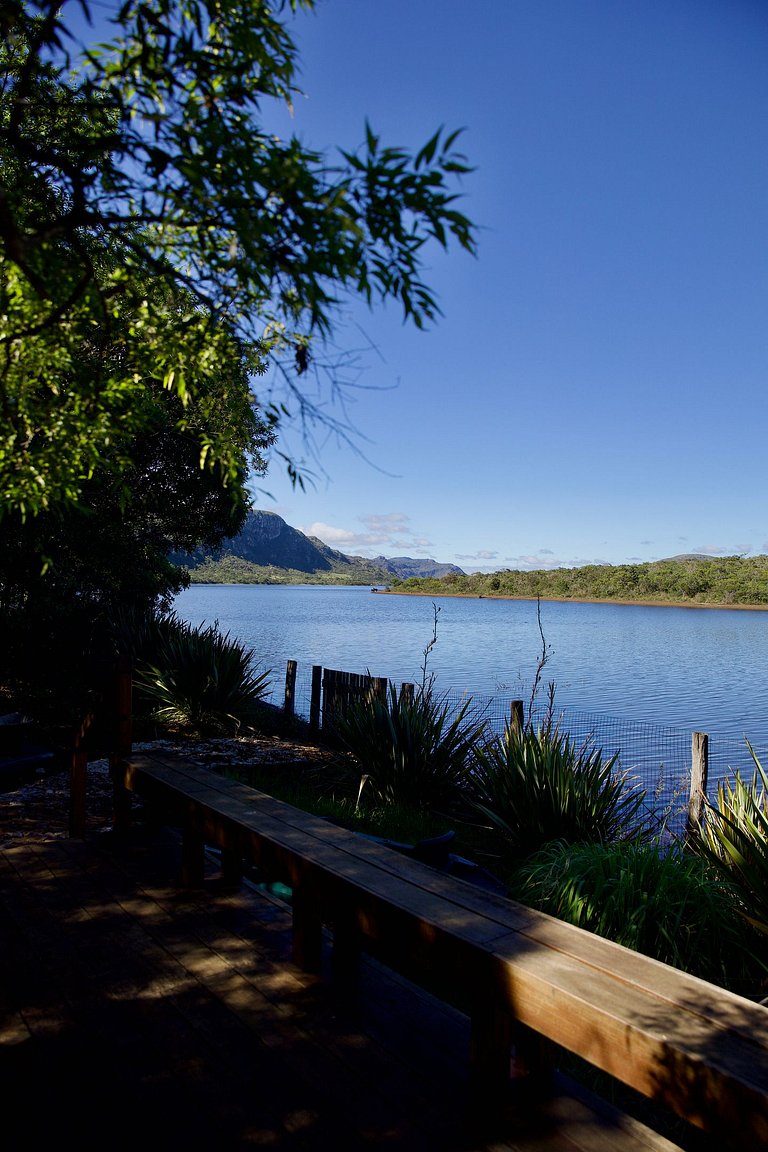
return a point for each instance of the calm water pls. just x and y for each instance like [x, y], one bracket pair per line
[702, 669]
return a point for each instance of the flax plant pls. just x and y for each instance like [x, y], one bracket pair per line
[733, 835]
[411, 750]
[665, 902]
[201, 680]
[538, 785]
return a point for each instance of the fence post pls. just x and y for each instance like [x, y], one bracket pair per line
[380, 686]
[699, 771]
[78, 779]
[124, 707]
[406, 693]
[314, 706]
[290, 688]
[122, 742]
[516, 715]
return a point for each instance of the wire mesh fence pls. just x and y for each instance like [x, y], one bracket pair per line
[658, 757]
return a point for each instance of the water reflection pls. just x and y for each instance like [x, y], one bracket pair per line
[690, 668]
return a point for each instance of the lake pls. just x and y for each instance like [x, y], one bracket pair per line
[631, 666]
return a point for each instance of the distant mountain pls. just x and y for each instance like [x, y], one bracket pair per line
[268, 549]
[405, 566]
[686, 556]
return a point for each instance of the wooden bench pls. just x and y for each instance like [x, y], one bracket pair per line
[526, 980]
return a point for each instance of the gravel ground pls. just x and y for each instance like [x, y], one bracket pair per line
[39, 808]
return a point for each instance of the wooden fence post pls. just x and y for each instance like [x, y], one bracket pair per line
[78, 779]
[406, 693]
[380, 686]
[290, 688]
[192, 848]
[699, 771]
[516, 715]
[314, 706]
[122, 743]
[124, 707]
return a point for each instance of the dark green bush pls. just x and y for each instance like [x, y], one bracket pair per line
[538, 786]
[733, 835]
[411, 750]
[669, 904]
[198, 678]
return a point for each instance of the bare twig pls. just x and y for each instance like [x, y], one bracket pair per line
[546, 652]
[428, 679]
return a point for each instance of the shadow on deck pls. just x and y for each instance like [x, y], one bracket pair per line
[133, 1013]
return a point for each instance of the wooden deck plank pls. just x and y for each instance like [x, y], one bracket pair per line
[147, 1015]
[685, 994]
[487, 955]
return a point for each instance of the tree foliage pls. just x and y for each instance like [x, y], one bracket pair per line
[720, 581]
[147, 158]
[69, 572]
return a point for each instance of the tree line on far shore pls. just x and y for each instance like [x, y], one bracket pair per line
[722, 580]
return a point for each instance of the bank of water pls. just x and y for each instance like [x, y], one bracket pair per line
[643, 677]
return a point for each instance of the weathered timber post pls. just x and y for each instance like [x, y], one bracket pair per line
[78, 779]
[699, 772]
[314, 705]
[516, 718]
[290, 688]
[122, 742]
[123, 707]
[406, 693]
[307, 934]
[380, 687]
[192, 848]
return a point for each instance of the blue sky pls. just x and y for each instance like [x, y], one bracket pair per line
[596, 388]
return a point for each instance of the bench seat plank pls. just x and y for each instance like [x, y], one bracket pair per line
[699, 1049]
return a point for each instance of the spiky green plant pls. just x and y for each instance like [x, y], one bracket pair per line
[201, 679]
[538, 785]
[667, 903]
[412, 750]
[733, 835]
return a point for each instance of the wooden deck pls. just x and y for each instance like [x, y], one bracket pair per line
[133, 1013]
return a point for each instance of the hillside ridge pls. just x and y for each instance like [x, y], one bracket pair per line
[268, 550]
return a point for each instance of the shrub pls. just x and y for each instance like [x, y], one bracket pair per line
[538, 786]
[668, 904]
[733, 836]
[201, 679]
[412, 750]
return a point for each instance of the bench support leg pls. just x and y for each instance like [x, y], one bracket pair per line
[192, 850]
[345, 960]
[231, 867]
[307, 945]
[489, 1057]
[78, 781]
[532, 1067]
[121, 798]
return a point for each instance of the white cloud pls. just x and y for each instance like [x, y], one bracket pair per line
[386, 533]
[481, 554]
[719, 550]
[532, 562]
[326, 532]
[545, 559]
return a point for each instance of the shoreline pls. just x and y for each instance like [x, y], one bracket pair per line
[692, 604]
[579, 600]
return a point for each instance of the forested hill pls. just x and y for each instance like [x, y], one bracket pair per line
[717, 581]
[269, 551]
